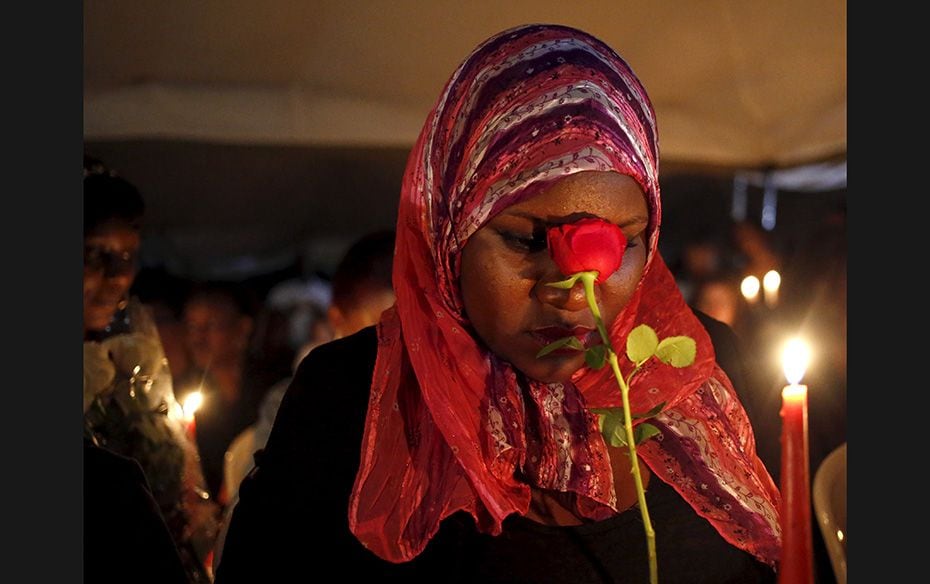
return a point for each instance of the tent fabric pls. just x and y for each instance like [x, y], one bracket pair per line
[753, 84]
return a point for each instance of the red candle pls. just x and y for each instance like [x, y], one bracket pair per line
[192, 430]
[192, 403]
[796, 565]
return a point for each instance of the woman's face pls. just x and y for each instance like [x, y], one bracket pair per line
[109, 268]
[506, 264]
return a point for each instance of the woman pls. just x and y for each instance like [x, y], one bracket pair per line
[465, 456]
[129, 405]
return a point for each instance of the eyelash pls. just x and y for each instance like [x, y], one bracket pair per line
[532, 244]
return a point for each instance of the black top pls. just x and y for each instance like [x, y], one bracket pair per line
[126, 538]
[292, 516]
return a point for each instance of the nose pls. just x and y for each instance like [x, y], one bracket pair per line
[572, 299]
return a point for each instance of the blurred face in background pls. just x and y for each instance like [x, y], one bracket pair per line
[719, 299]
[110, 253]
[215, 331]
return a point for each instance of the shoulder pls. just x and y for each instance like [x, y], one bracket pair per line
[328, 394]
[727, 347]
[351, 355]
[721, 335]
[341, 363]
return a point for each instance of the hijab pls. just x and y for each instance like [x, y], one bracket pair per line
[451, 426]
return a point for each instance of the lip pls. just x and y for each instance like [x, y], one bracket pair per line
[550, 334]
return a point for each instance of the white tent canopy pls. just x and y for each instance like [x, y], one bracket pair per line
[733, 82]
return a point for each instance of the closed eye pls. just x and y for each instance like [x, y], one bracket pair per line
[636, 240]
[529, 243]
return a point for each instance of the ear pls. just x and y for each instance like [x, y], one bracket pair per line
[337, 320]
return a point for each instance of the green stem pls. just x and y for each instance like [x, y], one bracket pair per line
[587, 279]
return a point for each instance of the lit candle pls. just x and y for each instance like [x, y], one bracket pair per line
[749, 288]
[192, 403]
[770, 284]
[796, 564]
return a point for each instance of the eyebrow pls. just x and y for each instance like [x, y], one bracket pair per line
[634, 220]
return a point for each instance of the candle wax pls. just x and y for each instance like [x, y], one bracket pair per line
[796, 564]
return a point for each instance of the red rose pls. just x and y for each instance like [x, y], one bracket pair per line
[585, 245]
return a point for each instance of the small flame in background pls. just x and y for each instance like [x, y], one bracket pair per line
[749, 288]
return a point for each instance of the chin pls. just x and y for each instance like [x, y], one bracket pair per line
[97, 322]
[553, 369]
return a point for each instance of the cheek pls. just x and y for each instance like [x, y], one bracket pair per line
[492, 291]
[92, 283]
[620, 286]
[479, 295]
[124, 283]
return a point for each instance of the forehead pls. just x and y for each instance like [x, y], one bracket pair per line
[609, 195]
[209, 307]
[114, 234]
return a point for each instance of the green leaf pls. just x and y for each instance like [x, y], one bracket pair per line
[610, 422]
[571, 342]
[677, 351]
[596, 356]
[650, 413]
[644, 432]
[641, 344]
[566, 284]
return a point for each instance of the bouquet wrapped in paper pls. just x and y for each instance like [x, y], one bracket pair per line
[130, 408]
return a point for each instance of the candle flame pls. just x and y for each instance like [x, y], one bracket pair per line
[795, 358]
[749, 287]
[192, 403]
[771, 281]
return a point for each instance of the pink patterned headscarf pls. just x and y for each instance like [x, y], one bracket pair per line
[450, 425]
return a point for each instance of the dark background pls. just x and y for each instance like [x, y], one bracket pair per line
[238, 212]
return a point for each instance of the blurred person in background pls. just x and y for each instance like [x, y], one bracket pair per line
[755, 251]
[129, 404]
[163, 294]
[703, 257]
[361, 291]
[362, 287]
[295, 312]
[718, 296]
[218, 319]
